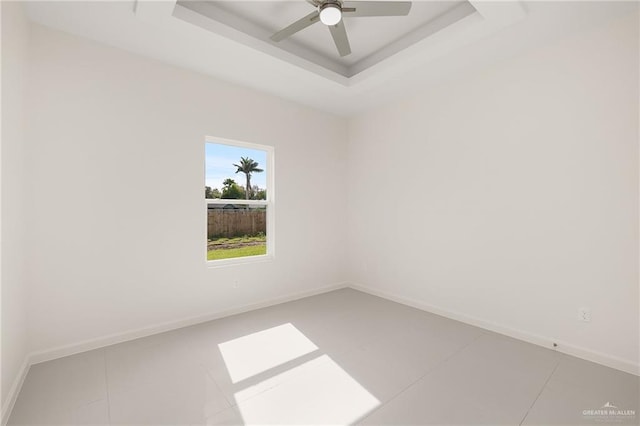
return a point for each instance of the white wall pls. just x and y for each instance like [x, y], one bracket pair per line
[524, 205]
[509, 196]
[15, 36]
[115, 208]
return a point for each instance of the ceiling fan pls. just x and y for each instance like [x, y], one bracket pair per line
[332, 12]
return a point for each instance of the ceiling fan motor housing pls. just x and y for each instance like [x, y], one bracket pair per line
[330, 12]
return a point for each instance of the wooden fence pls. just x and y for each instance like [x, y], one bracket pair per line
[235, 222]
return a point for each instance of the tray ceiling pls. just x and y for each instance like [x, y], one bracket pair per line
[496, 31]
[372, 39]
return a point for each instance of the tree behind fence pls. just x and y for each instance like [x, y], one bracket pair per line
[235, 222]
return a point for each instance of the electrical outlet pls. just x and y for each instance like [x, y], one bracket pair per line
[585, 314]
[235, 284]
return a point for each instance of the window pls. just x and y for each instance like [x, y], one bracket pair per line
[239, 200]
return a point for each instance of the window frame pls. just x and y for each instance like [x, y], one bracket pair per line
[269, 203]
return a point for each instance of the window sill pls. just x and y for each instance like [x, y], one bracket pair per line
[239, 261]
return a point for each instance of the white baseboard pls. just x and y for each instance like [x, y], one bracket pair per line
[100, 342]
[547, 342]
[87, 345]
[15, 390]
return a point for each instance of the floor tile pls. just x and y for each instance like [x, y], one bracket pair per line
[70, 390]
[585, 374]
[390, 363]
[493, 380]
[323, 394]
[343, 357]
[433, 402]
[159, 380]
[580, 392]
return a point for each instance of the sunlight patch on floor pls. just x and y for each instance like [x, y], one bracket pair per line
[323, 393]
[256, 353]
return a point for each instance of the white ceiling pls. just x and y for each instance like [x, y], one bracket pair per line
[372, 39]
[497, 31]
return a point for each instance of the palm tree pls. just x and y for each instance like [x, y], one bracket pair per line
[228, 183]
[248, 166]
[231, 190]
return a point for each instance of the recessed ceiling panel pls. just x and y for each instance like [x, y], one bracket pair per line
[372, 39]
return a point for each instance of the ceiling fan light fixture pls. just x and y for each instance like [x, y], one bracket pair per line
[330, 13]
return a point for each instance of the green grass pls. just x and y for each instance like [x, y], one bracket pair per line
[256, 250]
[237, 240]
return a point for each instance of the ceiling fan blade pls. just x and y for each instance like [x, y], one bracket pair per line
[376, 8]
[299, 25]
[339, 34]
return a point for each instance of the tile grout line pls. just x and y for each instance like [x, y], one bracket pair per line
[444, 361]
[215, 382]
[237, 403]
[106, 381]
[541, 390]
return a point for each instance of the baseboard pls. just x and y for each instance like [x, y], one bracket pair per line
[100, 342]
[87, 345]
[15, 390]
[547, 342]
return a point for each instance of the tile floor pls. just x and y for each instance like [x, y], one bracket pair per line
[343, 357]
